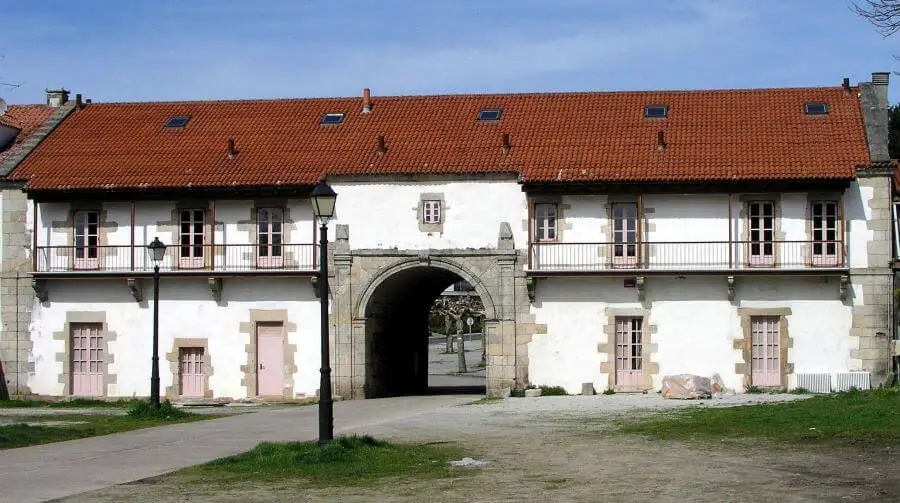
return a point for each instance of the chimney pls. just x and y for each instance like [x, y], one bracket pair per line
[57, 97]
[78, 103]
[381, 148]
[88, 101]
[506, 145]
[231, 150]
[367, 101]
[661, 140]
[880, 83]
[846, 85]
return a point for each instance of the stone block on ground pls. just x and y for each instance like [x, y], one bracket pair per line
[587, 388]
[532, 393]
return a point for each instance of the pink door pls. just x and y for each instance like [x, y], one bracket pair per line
[191, 239]
[629, 353]
[270, 359]
[625, 235]
[269, 237]
[825, 233]
[87, 225]
[761, 223]
[766, 351]
[191, 369]
[87, 359]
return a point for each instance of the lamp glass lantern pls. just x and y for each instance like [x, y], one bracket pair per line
[323, 199]
[157, 251]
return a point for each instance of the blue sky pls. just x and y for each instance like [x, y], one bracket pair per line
[140, 50]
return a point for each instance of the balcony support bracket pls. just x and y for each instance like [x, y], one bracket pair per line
[315, 284]
[531, 285]
[40, 289]
[729, 283]
[136, 288]
[639, 282]
[844, 286]
[215, 287]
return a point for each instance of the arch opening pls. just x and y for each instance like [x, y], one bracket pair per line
[397, 313]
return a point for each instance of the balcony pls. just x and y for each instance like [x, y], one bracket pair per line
[712, 256]
[199, 259]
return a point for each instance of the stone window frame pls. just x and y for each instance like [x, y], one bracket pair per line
[648, 348]
[172, 227]
[65, 358]
[745, 344]
[817, 197]
[104, 228]
[251, 227]
[777, 234]
[643, 231]
[530, 223]
[174, 359]
[289, 368]
[437, 197]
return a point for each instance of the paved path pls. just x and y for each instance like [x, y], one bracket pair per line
[67, 468]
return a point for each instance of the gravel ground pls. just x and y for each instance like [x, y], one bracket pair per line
[536, 449]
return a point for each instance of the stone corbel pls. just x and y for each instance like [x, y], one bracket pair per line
[729, 283]
[134, 286]
[215, 287]
[314, 281]
[40, 289]
[424, 258]
[531, 285]
[641, 288]
[844, 286]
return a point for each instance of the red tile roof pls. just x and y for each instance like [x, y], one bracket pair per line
[709, 135]
[25, 118]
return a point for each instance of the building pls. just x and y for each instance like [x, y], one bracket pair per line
[22, 128]
[614, 238]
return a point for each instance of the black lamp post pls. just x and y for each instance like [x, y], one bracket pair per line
[323, 199]
[157, 251]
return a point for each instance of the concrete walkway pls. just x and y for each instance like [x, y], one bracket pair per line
[63, 469]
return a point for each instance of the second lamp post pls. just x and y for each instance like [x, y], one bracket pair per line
[157, 251]
[323, 199]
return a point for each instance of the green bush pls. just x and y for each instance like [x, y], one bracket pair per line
[755, 390]
[609, 391]
[517, 393]
[553, 391]
[800, 391]
[143, 410]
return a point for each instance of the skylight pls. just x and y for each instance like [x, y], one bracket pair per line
[656, 111]
[332, 119]
[490, 114]
[178, 121]
[816, 109]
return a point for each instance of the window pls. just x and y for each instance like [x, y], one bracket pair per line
[191, 239]
[332, 119]
[625, 234]
[87, 359]
[825, 243]
[761, 224]
[765, 347]
[87, 228]
[656, 111]
[269, 237]
[816, 109]
[490, 114]
[178, 121]
[629, 352]
[545, 221]
[431, 212]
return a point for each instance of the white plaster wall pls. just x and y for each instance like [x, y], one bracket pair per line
[384, 215]
[857, 213]
[186, 311]
[695, 326]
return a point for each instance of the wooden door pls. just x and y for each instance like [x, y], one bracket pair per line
[87, 359]
[87, 230]
[761, 223]
[825, 233]
[629, 353]
[191, 238]
[625, 235]
[765, 351]
[270, 359]
[269, 237]
[191, 372]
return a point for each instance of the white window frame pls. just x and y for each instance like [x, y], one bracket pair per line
[760, 248]
[432, 212]
[86, 239]
[626, 234]
[270, 237]
[825, 250]
[546, 220]
[191, 242]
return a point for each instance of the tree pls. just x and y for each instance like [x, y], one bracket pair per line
[455, 309]
[883, 14]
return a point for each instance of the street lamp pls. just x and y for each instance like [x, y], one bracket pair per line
[323, 199]
[157, 251]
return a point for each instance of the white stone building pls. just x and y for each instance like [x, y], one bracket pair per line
[614, 238]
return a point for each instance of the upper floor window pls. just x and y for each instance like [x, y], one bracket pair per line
[191, 238]
[545, 221]
[825, 245]
[269, 237]
[761, 227]
[431, 212]
[87, 239]
[625, 234]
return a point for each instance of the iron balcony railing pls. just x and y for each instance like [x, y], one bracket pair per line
[686, 256]
[187, 258]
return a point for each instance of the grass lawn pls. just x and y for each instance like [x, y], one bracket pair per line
[57, 428]
[871, 417]
[346, 461]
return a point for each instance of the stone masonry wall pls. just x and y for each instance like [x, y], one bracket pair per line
[16, 296]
